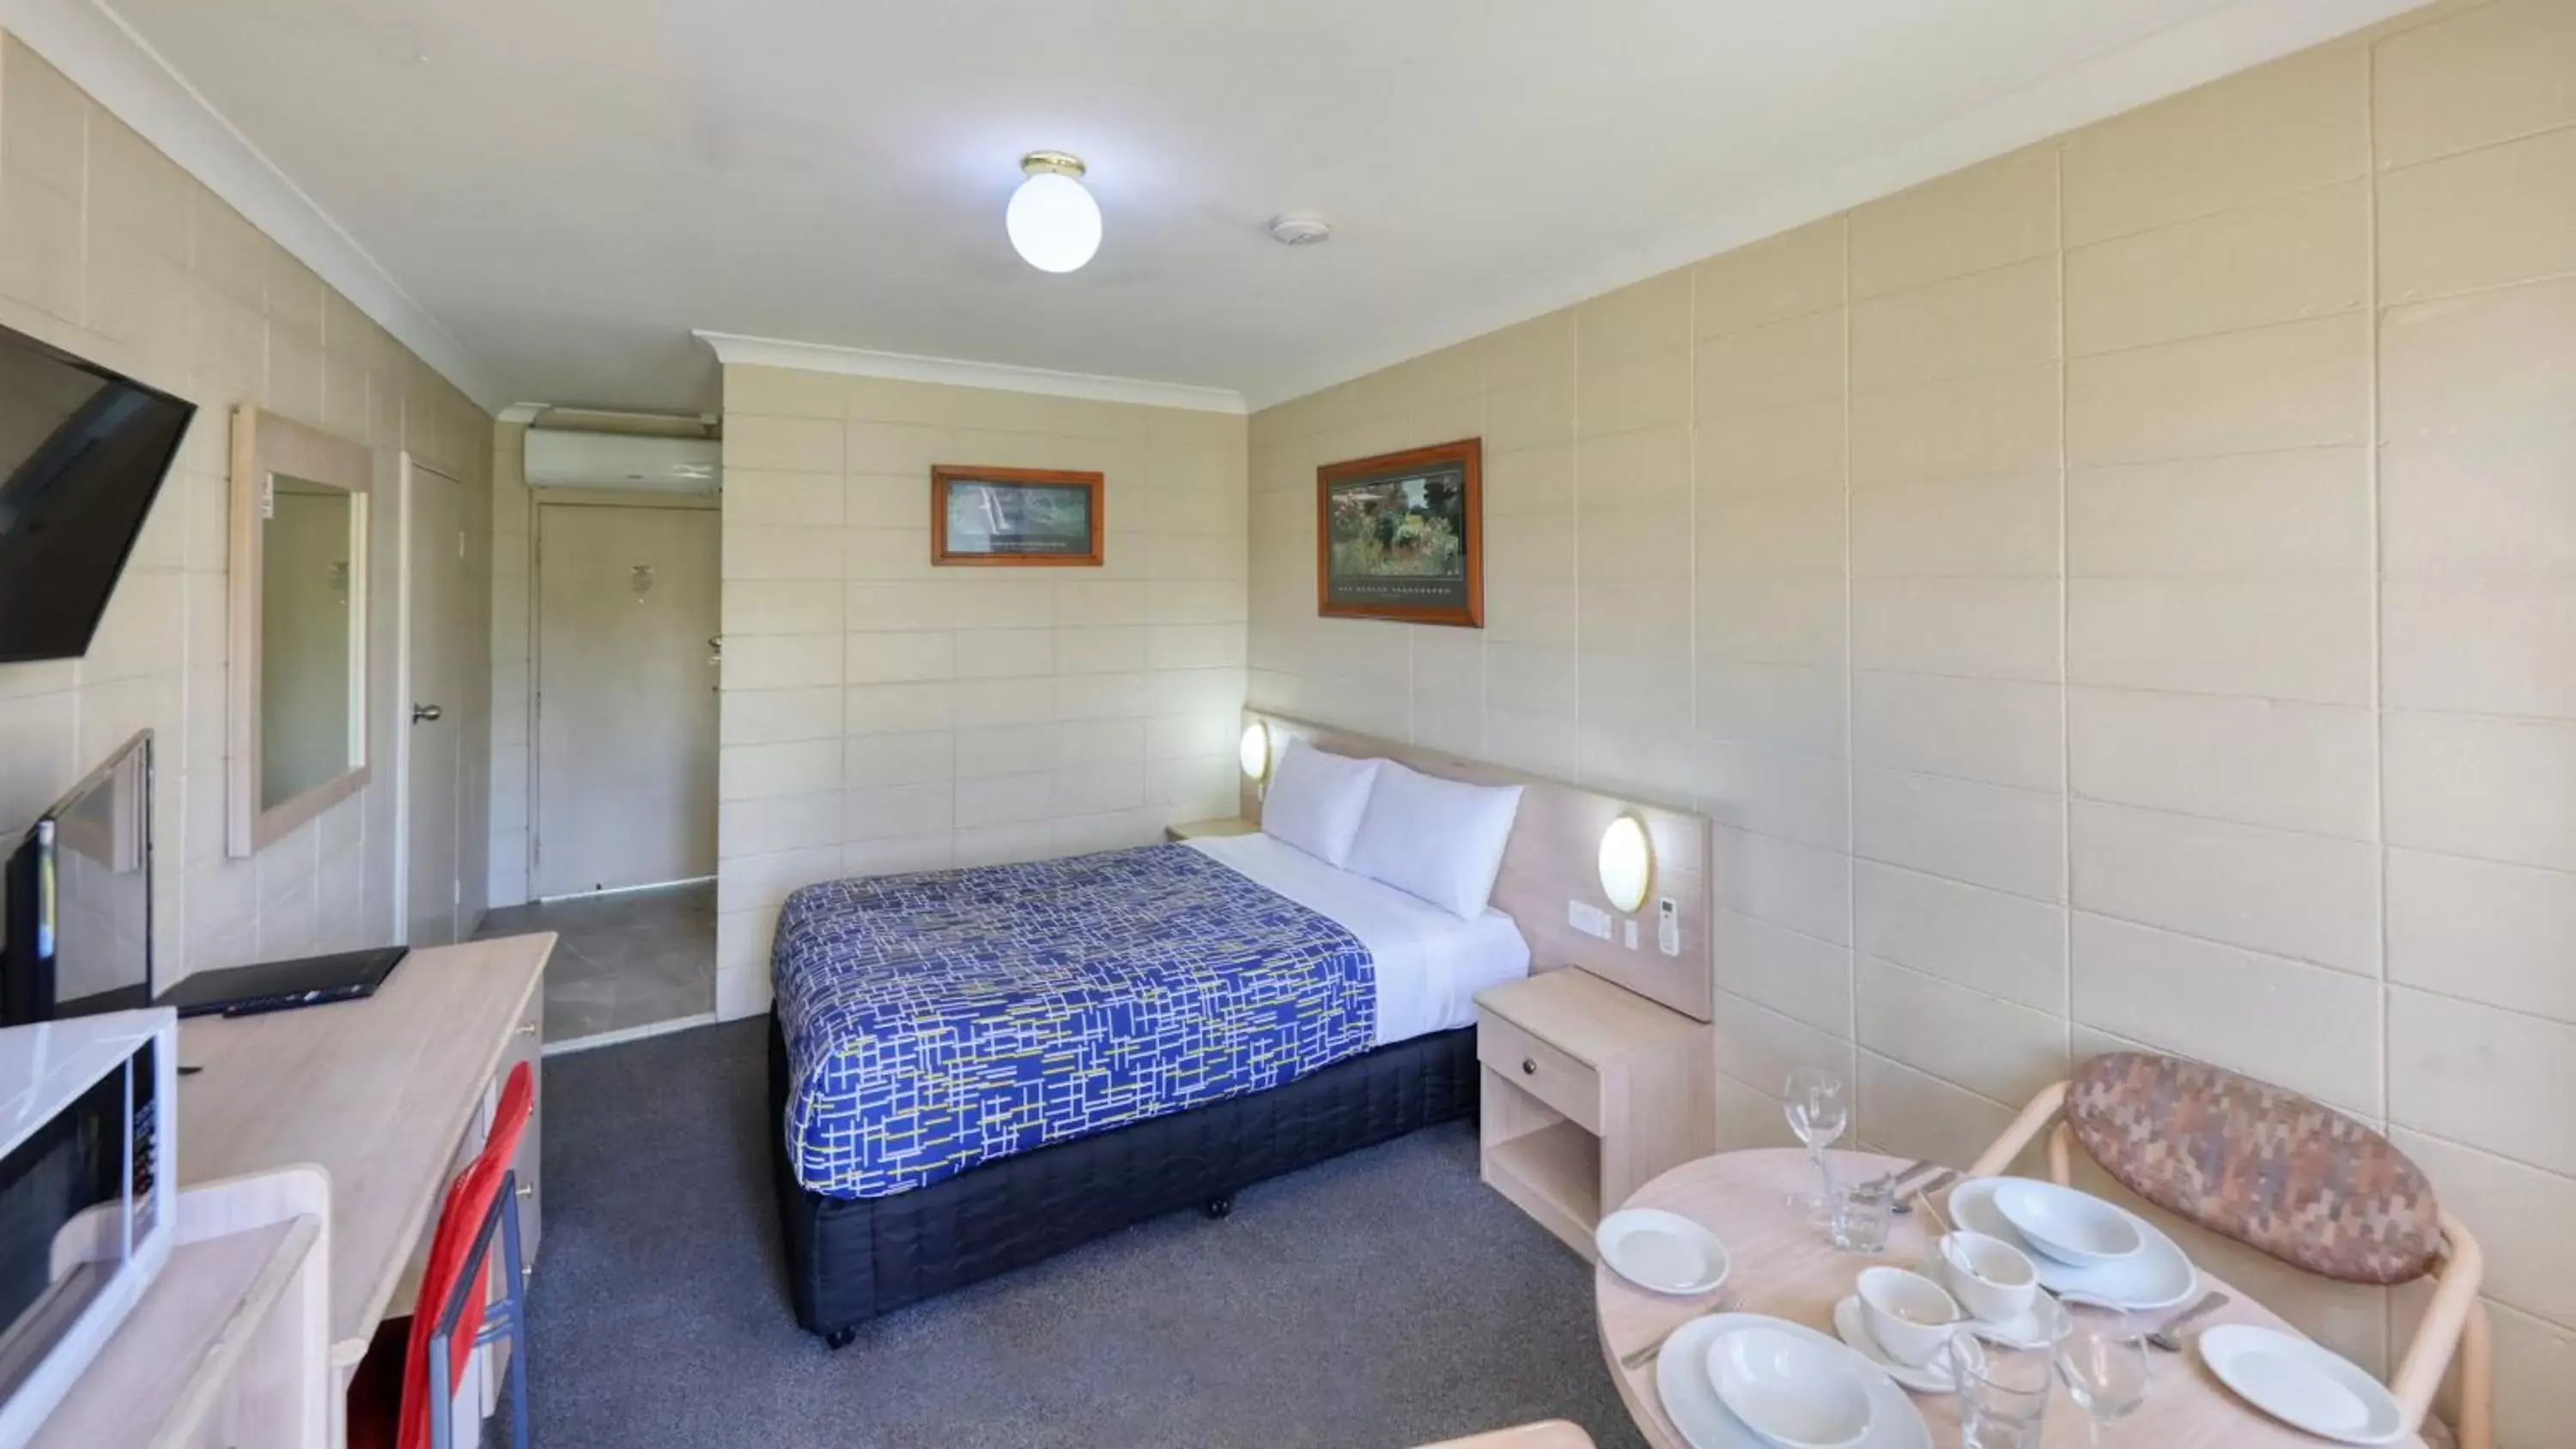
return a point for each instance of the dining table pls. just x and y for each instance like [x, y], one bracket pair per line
[1784, 1266]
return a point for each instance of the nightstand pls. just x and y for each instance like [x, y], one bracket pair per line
[1589, 1091]
[1209, 829]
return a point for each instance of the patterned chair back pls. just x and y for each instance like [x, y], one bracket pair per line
[2277, 1172]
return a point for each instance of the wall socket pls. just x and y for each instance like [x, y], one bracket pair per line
[1590, 919]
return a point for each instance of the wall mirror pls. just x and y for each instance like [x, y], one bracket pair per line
[299, 626]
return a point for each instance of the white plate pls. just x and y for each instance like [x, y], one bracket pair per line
[1690, 1400]
[2301, 1384]
[2040, 1325]
[1660, 1251]
[2070, 1226]
[1853, 1329]
[2156, 1276]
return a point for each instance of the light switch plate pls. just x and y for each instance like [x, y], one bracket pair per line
[1628, 930]
[1590, 919]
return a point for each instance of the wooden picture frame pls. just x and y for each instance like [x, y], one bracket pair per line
[1077, 548]
[1418, 517]
[267, 448]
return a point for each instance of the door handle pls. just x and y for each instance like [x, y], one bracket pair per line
[425, 713]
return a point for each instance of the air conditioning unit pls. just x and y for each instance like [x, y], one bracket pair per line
[561, 458]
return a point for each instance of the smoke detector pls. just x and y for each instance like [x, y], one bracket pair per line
[1299, 230]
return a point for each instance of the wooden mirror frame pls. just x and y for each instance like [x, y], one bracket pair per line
[266, 445]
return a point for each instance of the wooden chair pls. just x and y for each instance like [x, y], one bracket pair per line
[2292, 1179]
[1551, 1434]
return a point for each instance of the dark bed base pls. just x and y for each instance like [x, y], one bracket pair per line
[850, 1259]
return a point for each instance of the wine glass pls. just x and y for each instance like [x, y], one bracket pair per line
[1817, 1112]
[2105, 1373]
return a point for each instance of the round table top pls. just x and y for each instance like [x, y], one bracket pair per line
[1788, 1269]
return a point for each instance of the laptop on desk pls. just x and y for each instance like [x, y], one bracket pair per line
[284, 985]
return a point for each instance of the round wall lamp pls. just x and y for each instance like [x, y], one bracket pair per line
[1053, 222]
[1255, 751]
[1627, 864]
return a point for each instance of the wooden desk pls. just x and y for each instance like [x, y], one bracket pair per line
[385, 1096]
[1785, 1268]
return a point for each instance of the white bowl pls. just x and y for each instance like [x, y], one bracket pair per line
[2067, 1225]
[1908, 1315]
[1991, 1278]
[1796, 1392]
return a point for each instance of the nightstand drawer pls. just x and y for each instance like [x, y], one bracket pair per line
[1540, 1070]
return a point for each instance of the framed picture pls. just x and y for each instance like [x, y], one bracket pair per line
[1401, 536]
[1014, 516]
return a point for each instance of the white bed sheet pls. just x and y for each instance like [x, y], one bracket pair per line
[1429, 964]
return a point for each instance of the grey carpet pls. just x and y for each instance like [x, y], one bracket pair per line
[1384, 1299]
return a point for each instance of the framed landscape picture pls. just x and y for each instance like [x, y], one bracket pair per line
[1401, 536]
[1007, 516]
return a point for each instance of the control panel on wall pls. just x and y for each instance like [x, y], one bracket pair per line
[1599, 924]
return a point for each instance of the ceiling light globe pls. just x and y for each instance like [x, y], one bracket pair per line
[1053, 222]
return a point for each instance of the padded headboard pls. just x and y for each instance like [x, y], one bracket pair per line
[1553, 858]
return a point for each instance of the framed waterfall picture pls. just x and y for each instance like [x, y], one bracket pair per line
[1006, 516]
[1401, 536]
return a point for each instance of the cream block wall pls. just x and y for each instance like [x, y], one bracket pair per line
[108, 249]
[2124, 592]
[880, 714]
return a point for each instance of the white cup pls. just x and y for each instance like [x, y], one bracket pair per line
[1991, 1278]
[1908, 1314]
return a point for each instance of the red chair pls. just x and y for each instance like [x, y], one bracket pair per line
[452, 1316]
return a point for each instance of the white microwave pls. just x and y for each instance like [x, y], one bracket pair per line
[87, 1201]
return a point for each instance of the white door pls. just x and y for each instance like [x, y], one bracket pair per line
[434, 633]
[626, 703]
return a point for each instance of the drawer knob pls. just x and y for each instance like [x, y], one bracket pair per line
[1529, 1068]
[527, 1028]
[527, 1190]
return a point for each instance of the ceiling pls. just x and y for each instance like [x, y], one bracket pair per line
[570, 187]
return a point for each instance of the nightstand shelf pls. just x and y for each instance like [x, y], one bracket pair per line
[1588, 1091]
[1209, 829]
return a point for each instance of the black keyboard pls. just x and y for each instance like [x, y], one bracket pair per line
[290, 1000]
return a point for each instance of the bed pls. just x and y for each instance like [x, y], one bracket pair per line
[974, 1069]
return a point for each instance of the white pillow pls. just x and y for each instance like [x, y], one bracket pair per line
[1316, 799]
[1437, 839]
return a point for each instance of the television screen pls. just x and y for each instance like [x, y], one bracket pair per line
[82, 454]
[79, 898]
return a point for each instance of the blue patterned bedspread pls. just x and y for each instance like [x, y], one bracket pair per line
[940, 1020]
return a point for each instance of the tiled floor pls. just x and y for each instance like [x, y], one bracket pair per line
[629, 960]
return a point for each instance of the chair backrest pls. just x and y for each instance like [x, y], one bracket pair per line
[452, 1247]
[2280, 1173]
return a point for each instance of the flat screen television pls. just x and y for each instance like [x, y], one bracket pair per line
[83, 452]
[79, 889]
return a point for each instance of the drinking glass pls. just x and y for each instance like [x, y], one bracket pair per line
[1862, 1213]
[1814, 1102]
[2105, 1373]
[2003, 1393]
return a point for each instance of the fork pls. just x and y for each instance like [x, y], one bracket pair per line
[1905, 1195]
[1636, 1358]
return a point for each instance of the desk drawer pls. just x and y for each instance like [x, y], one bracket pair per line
[1540, 1070]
